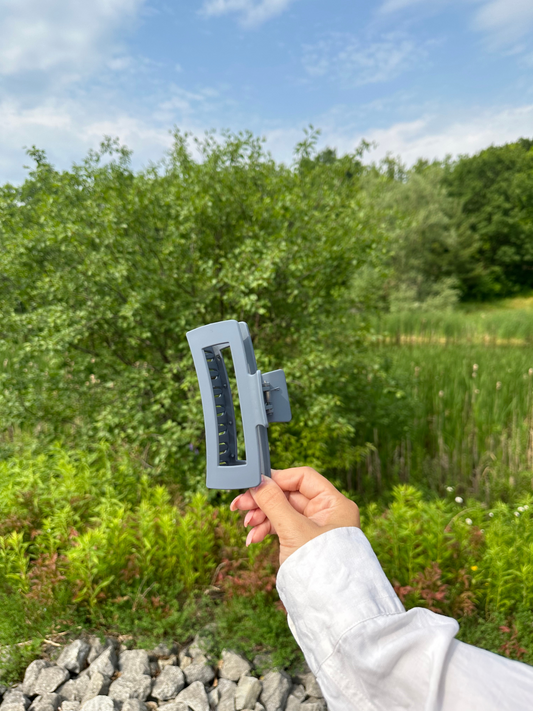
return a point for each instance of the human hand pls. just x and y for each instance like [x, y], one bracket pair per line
[298, 505]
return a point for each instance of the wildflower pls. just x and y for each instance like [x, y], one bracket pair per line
[474, 374]
[475, 366]
[449, 489]
[491, 514]
[5, 362]
[441, 393]
[517, 513]
[458, 500]
[473, 567]
[530, 371]
[526, 507]
[476, 391]
[520, 508]
[468, 521]
[498, 385]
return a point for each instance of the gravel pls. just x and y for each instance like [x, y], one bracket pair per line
[89, 676]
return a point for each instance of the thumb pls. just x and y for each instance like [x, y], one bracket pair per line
[270, 498]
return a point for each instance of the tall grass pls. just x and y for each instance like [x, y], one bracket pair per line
[512, 326]
[468, 378]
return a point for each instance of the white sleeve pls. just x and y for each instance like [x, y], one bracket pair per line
[368, 653]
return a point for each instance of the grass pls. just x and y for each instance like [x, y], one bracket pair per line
[468, 380]
[88, 542]
[509, 322]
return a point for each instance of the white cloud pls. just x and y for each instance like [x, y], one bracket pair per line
[252, 12]
[45, 35]
[505, 20]
[352, 62]
[434, 136]
[394, 5]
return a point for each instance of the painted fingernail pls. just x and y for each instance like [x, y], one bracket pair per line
[263, 479]
[248, 517]
[249, 537]
[233, 505]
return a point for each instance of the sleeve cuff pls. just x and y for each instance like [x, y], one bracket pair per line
[330, 585]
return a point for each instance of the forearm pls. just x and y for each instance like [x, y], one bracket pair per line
[368, 653]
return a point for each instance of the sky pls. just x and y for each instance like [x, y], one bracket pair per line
[416, 78]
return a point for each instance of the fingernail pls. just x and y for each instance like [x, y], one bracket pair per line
[248, 517]
[233, 505]
[249, 537]
[263, 480]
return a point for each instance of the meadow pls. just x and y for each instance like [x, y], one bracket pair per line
[423, 416]
[470, 394]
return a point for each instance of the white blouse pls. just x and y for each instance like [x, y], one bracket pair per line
[368, 653]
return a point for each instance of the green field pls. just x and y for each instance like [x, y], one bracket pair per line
[468, 379]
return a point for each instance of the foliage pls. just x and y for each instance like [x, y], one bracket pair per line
[496, 191]
[103, 271]
[123, 557]
[471, 415]
[457, 229]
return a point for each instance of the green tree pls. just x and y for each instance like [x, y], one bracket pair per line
[103, 270]
[496, 191]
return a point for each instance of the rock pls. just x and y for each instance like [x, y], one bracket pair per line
[74, 689]
[202, 642]
[70, 706]
[233, 666]
[185, 661]
[311, 686]
[293, 703]
[134, 662]
[264, 663]
[49, 679]
[99, 703]
[199, 670]
[134, 705]
[171, 661]
[98, 686]
[169, 683]
[259, 707]
[15, 700]
[314, 704]
[105, 663]
[276, 689]
[174, 706]
[226, 691]
[162, 650]
[248, 691]
[31, 676]
[97, 647]
[74, 656]
[129, 686]
[194, 696]
[299, 692]
[213, 697]
[46, 702]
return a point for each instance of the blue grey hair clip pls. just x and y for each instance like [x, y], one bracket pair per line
[263, 399]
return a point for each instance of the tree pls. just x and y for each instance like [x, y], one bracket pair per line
[103, 270]
[496, 190]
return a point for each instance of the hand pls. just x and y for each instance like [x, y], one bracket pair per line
[298, 505]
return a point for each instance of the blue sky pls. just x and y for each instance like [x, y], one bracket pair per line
[416, 77]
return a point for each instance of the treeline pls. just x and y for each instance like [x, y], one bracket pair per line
[459, 229]
[103, 269]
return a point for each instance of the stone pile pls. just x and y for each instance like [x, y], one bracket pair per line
[90, 675]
